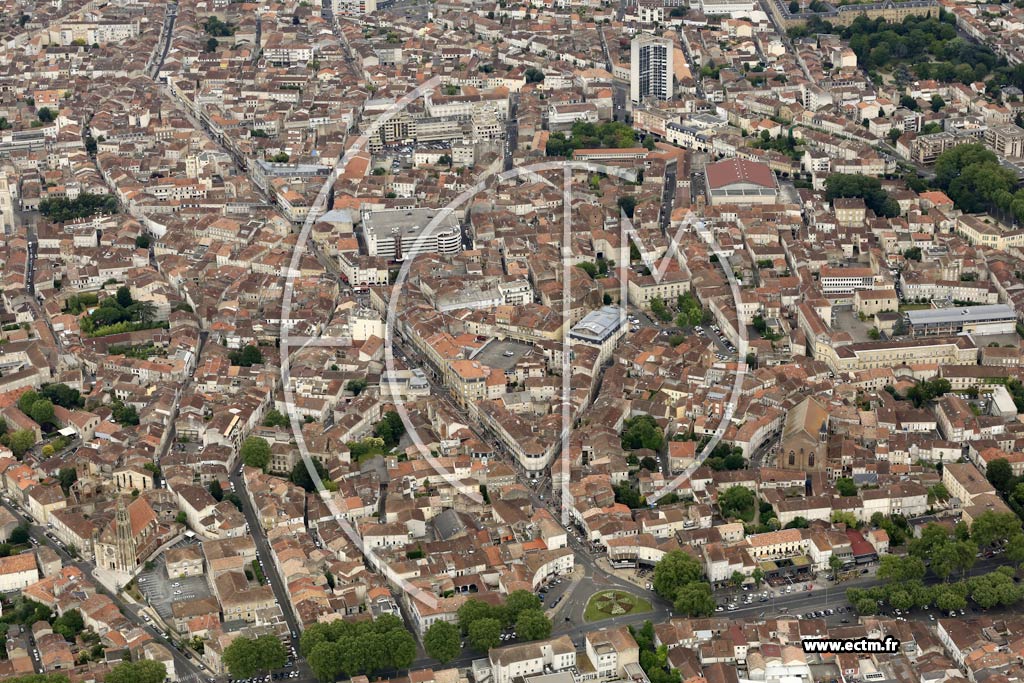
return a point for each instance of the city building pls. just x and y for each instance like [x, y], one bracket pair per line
[738, 181]
[981, 320]
[602, 328]
[651, 70]
[398, 234]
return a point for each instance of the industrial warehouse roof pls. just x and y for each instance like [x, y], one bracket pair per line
[967, 314]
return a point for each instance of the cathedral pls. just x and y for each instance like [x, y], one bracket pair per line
[131, 536]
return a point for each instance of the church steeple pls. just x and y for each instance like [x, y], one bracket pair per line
[126, 551]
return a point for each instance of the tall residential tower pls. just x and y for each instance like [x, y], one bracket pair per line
[650, 68]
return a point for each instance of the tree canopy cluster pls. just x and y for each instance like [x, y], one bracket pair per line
[679, 578]
[929, 46]
[62, 210]
[246, 357]
[246, 657]
[117, 314]
[947, 556]
[869, 189]
[973, 178]
[346, 648]
[691, 313]
[62, 395]
[591, 136]
[38, 408]
[483, 623]
[300, 475]
[925, 392]
[737, 501]
[390, 429]
[217, 28]
[654, 660]
[642, 431]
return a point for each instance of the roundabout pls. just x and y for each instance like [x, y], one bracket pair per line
[614, 603]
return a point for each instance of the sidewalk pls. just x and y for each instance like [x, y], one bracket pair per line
[624, 574]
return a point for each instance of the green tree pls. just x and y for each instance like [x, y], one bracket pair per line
[996, 588]
[247, 356]
[442, 641]
[846, 487]
[356, 386]
[124, 414]
[642, 431]
[737, 501]
[27, 400]
[20, 535]
[255, 452]
[123, 296]
[660, 310]
[390, 428]
[216, 490]
[675, 569]
[241, 658]
[245, 657]
[46, 115]
[972, 177]
[327, 661]
[991, 527]
[62, 395]
[799, 522]
[142, 671]
[1000, 474]
[758, 576]
[62, 210]
[300, 475]
[69, 624]
[518, 602]
[694, 599]
[67, 478]
[531, 624]
[20, 441]
[42, 411]
[275, 418]
[869, 189]
[835, 564]
[900, 569]
[953, 556]
[485, 634]
[473, 610]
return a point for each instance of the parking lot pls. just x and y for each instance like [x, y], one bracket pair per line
[162, 591]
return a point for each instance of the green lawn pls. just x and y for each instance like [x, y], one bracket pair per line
[915, 307]
[614, 603]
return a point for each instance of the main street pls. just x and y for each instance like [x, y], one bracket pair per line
[267, 564]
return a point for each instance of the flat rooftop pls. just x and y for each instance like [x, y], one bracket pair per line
[406, 221]
[967, 314]
[598, 325]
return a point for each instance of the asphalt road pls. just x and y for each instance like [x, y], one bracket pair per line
[269, 568]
